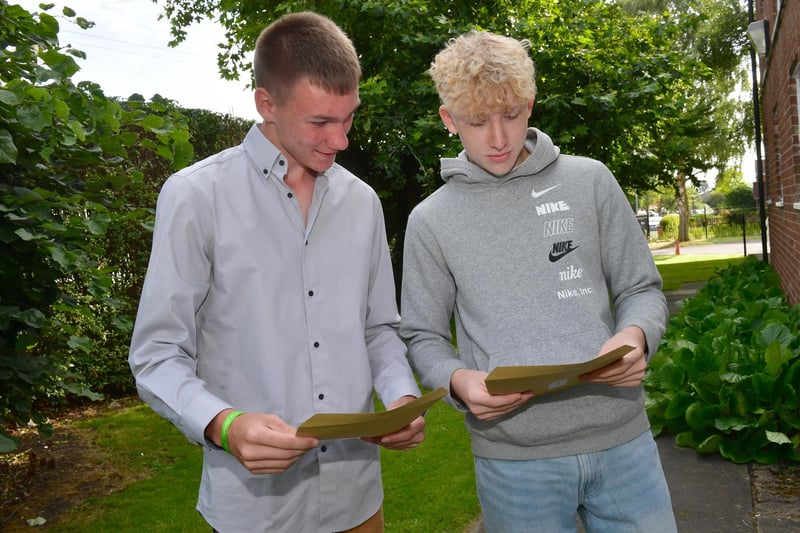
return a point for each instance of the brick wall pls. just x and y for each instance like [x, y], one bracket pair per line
[779, 116]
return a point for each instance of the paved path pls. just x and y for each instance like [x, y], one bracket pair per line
[750, 247]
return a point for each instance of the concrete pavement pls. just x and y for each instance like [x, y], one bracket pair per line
[749, 247]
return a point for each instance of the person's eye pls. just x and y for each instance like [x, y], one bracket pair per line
[512, 117]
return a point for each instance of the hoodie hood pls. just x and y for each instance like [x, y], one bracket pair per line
[542, 153]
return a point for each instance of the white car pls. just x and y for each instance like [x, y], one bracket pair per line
[652, 217]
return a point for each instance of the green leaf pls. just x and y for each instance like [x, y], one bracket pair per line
[776, 333]
[98, 223]
[152, 122]
[83, 23]
[7, 442]
[686, 438]
[31, 117]
[731, 424]
[775, 357]
[24, 234]
[735, 451]
[678, 406]
[80, 343]
[8, 150]
[9, 98]
[709, 445]
[764, 387]
[778, 438]
[700, 416]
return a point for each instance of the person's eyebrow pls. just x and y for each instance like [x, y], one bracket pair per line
[326, 118]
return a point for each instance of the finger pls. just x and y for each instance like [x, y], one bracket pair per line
[491, 414]
[410, 436]
[269, 467]
[269, 461]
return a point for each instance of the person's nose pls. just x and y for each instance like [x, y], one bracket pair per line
[338, 137]
[497, 135]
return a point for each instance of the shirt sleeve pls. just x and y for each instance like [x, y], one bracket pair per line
[631, 274]
[391, 373]
[163, 352]
[428, 299]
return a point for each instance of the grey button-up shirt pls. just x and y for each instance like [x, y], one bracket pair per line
[246, 306]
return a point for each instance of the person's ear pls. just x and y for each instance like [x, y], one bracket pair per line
[448, 120]
[530, 107]
[265, 103]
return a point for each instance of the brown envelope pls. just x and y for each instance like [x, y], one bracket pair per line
[546, 378]
[357, 425]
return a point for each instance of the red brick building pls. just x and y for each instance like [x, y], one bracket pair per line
[780, 100]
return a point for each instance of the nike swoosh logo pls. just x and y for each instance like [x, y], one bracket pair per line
[535, 194]
[556, 257]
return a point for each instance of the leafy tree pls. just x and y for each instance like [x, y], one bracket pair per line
[127, 242]
[715, 199]
[728, 179]
[608, 81]
[63, 151]
[740, 197]
[710, 129]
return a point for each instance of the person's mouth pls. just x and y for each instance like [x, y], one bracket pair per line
[499, 158]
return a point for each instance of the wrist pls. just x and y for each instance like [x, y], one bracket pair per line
[226, 425]
[213, 431]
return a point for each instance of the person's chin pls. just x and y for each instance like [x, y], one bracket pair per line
[324, 162]
[498, 169]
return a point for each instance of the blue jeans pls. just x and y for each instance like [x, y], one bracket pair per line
[614, 491]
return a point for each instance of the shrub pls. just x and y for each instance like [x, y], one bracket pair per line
[727, 374]
[669, 223]
[64, 158]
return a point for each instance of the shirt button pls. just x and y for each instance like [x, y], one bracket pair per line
[323, 448]
[265, 171]
[281, 162]
[311, 293]
[289, 194]
[321, 396]
[316, 345]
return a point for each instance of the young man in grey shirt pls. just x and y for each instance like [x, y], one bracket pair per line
[540, 260]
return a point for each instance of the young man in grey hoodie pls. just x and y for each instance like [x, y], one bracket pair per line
[540, 260]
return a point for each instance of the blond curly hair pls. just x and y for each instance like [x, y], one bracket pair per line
[481, 71]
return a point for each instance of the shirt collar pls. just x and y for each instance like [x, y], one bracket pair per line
[264, 154]
[270, 160]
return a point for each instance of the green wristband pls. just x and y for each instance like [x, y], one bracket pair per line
[226, 426]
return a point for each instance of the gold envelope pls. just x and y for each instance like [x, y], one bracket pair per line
[546, 378]
[356, 425]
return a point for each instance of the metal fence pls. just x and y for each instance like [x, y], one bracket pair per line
[743, 223]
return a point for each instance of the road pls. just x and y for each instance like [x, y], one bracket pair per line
[729, 248]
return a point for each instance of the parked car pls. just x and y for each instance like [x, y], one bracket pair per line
[649, 217]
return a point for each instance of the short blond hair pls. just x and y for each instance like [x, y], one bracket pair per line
[480, 71]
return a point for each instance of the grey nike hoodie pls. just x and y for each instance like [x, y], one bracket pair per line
[537, 267]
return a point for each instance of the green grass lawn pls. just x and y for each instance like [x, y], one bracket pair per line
[677, 270]
[165, 468]
[430, 488]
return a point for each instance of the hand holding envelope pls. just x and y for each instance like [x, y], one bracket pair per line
[547, 378]
[359, 425]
